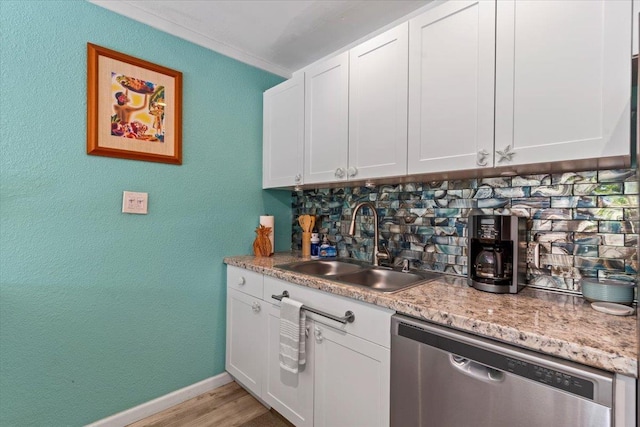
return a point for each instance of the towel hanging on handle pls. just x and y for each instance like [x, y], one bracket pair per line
[292, 335]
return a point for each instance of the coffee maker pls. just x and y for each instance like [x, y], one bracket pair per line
[497, 250]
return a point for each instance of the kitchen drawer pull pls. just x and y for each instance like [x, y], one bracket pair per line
[241, 281]
[348, 317]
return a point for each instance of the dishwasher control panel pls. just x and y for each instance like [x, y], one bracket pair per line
[551, 377]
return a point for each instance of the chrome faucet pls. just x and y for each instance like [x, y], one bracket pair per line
[377, 254]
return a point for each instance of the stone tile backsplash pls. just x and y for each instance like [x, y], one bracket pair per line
[586, 222]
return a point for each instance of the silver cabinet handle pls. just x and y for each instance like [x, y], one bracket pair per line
[353, 171]
[482, 157]
[339, 173]
[506, 155]
[241, 281]
[318, 333]
[348, 317]
[298, 178]
[255, 307]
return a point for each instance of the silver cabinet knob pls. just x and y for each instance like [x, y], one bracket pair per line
[482, 157]
[255, 307]
[506, 155]
[318, 333]
[339, 173]
[241, 281]
[298, 178]
[353, 171]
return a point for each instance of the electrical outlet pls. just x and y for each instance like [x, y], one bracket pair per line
[135, 203]
[533, 254]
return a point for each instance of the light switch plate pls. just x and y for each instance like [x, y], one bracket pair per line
[135, 203]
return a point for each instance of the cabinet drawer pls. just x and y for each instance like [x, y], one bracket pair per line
[245, 281]
[371, 322]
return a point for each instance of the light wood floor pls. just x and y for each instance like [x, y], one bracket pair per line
[229, 405]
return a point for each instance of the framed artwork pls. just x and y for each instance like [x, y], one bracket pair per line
[134, 108]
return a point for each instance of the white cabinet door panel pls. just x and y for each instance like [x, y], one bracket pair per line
[636, 22]
[352, 380]
[326, 120]
[289, 394]
[451, 86]
[283, 134]
[246, 331]
[562, 80]
[378, 106]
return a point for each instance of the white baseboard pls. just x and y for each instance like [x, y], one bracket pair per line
[163, 402]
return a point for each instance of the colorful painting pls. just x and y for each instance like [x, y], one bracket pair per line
[138, 109]
[134, 108]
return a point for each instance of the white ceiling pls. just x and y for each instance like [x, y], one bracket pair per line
[278, 36]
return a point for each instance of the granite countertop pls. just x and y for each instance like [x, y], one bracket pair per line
[556, 324]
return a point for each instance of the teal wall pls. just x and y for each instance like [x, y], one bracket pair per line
[101, 311]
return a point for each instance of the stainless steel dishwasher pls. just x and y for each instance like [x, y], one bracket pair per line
[446, 378]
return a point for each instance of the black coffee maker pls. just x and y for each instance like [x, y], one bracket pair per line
[497, 250]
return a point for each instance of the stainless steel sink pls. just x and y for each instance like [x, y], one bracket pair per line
[362, 274]
[324, 267]
[384, 280]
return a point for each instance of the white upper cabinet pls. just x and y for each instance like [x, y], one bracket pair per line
[378, 71]
[451, 87]
[356, 112]
[283, 134]
[326, 120]
[467, 84]
[563, 78]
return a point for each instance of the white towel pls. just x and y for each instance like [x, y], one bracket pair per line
[292, 335]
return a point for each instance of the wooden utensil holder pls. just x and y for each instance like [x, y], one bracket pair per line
[306, 244]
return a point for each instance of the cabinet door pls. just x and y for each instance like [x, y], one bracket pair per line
[378, 73]
[246, 330]
[636, 21]
[283, 134]
[289, 394]
[562, 80]
[351, 380]
[326, 120]
[451, 87]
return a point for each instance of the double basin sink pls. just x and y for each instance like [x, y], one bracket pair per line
[361, 274]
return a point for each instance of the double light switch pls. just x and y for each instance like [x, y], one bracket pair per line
[135, 203]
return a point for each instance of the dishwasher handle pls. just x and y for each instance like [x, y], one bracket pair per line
[476, 370]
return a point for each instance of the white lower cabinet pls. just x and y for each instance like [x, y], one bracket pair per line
[289, 394]
[345, 381]
[351, 382]
[246, 329]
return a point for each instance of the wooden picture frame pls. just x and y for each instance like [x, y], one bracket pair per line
[134, 108]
